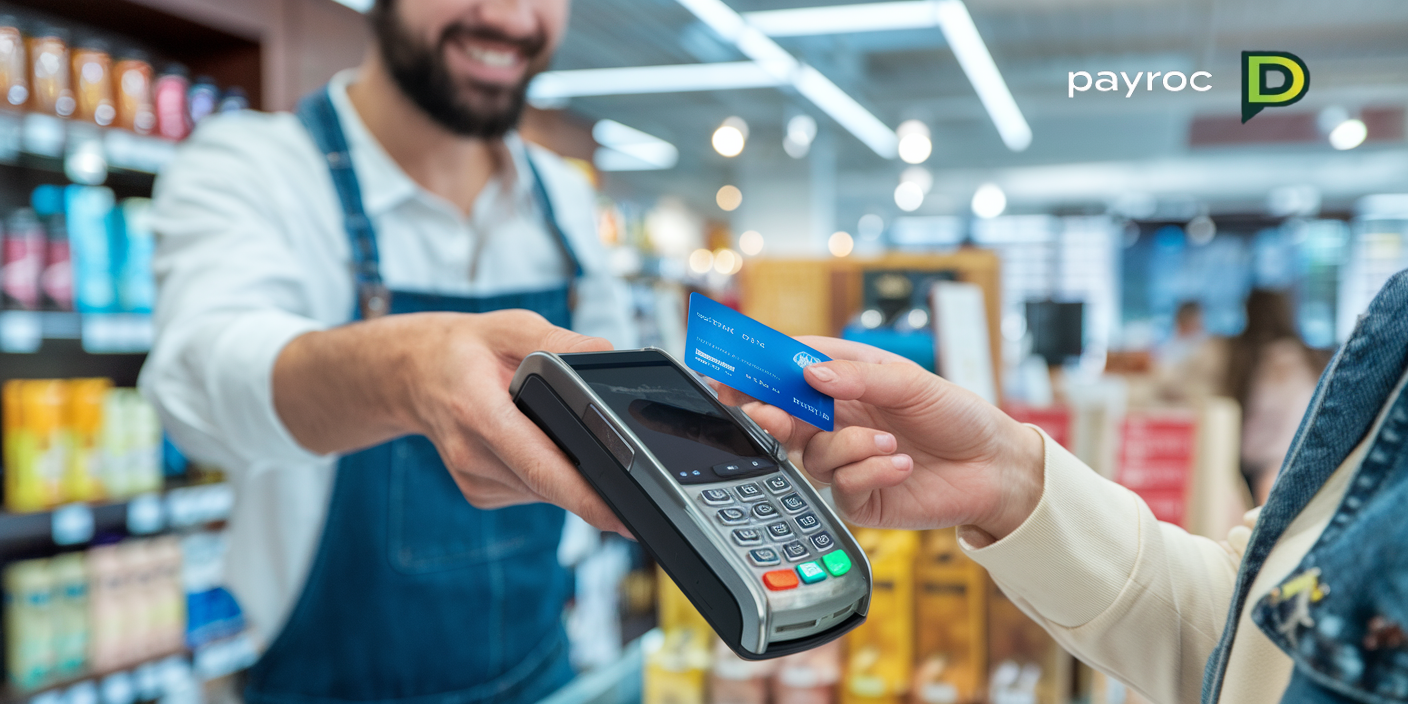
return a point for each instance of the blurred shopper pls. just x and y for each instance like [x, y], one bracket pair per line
[1188, 334]
[345, 294]
[1308, 608]
[1272, 374]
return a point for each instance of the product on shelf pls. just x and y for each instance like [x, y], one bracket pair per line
[87, 209]
[83, 480]
[70, 578]
[734, 680]
[56, 280]
[172, 114]
[880, 652]
[132, 89]
[676, 667]
[77, 440]
[809, 677]
[36, 443]
[950, 623]
[136, 284]
[202, 99]
[92, 82]
[49, 89]
[29, 623]
[234, 100]
[23, 260]
[14, 69]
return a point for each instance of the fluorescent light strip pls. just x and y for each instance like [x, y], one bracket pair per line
[950, 16]
[683, 78]
[358, 5]
[815, 87]
[844, 19]
[629, 149]
[973, 56]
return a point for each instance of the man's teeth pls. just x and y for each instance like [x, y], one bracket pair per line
[490, 57]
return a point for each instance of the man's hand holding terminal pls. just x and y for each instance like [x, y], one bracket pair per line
[910, 450]
[444, 376]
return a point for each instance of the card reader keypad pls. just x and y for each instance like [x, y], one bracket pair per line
[772, 526]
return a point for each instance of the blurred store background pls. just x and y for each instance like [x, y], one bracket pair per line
[1137, 271]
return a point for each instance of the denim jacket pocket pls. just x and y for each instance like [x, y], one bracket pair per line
[1342, 615]
[432, 528]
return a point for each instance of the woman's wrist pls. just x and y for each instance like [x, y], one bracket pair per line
[1021, 473]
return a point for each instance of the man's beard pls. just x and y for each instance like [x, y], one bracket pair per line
[466, 107]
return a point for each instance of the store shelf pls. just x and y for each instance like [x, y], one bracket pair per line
[27, 534]
[44, 141]
[24, 332]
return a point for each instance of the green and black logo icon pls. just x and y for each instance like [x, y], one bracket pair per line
[1257, 66]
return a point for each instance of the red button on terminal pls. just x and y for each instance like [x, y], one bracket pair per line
[777, 580]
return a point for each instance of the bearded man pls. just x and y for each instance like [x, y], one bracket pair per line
[345, 292]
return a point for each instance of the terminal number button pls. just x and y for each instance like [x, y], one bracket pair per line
[794, 551]
[823, 541]
[808, 522]
[780, 530]
[777, 483]
[715, 497]
[764, 557]
[732, 516]
[747, 536]
[793, 503]
[764, 510]
[778, 580]
[749, 491]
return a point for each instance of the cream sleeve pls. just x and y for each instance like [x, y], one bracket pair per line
[1142, 601]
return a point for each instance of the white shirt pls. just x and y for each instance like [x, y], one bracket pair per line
[252, 253]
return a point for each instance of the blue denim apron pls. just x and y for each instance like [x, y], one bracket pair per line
[415, 596]
[1342, 614]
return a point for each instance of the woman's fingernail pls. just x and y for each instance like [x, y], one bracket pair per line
[900, 461]
[822, 373]
[885, 441]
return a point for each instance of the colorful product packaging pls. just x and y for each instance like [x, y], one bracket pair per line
[21, 260]
[136, 283]
[29, 624]
[92, 83]
[881, 651]
[84, 479]
[70, 577]
[14, 69]
[49, 90]
[132, 89]
[172, 117]
[90, 237]
[951, 625]
[36, 443]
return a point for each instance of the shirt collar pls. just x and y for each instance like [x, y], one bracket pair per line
[385, 185]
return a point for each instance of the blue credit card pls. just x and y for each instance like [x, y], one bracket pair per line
[738, 351]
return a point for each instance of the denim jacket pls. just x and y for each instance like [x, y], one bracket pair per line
[1342, 614]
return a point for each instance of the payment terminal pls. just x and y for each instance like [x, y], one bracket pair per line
[708, 494]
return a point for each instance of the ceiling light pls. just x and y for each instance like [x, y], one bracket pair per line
[358, 5]
[989, 201]
[730, 137]
[701, 261]
[871, 319]
[727, 261]
[845, 19]
[1200, 230]
[815, 87]
[751, 242]
[918, 176]
[552, 86]
[801, 130]
[914, 146]
[840, 244]
[729, 198]
[628, 149]
[870, 226]
[973, 56]
[918, 318]
[909, 196]
[1348, 135]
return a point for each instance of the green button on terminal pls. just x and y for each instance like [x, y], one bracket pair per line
[837, 563]
[810, 572]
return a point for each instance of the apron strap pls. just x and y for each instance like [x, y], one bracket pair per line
[319, 117]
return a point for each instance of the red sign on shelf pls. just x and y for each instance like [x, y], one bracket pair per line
[1055, 420]
[1156, 455]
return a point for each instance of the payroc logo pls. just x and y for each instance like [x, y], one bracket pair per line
[1107, 81]
[1257, 66]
